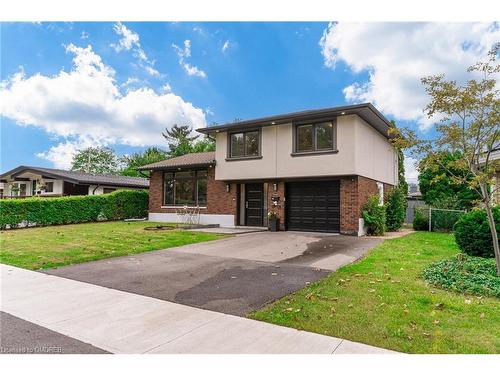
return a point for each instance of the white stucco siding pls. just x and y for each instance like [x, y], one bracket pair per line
[361, 151]
[252, 168]
[375, 157]
[340, 163]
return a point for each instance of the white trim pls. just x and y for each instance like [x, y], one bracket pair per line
[222, 220]
[181, 207]
[361, 227]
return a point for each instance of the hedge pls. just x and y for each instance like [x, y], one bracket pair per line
[473, 234]
[37, 211]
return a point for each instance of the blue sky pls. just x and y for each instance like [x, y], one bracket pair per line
[70, 85]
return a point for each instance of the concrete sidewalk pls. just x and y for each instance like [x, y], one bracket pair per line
[121, 322]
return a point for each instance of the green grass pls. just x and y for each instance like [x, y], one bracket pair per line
[382, 300]
[48, 247]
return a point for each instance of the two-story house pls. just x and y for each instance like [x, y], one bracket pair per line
[315, 169]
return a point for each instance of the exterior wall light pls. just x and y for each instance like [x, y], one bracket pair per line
[228, 188]
[275, 186]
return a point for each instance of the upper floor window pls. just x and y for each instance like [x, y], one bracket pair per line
[244, 144]
[315, 137]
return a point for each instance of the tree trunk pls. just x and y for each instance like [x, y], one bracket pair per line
[491, 222]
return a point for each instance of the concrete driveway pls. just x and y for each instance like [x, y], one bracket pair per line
[235, 275]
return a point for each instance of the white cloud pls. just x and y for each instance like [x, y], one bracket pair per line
[87, 103]
[185, 53]
[84, 35]
[152, 71]
[397, 55]
[130, 40]
[61, 155]
[411, 172]
[225, 46]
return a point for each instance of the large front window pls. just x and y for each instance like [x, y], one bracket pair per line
[186, 188]
[315, 137]
[244, 144]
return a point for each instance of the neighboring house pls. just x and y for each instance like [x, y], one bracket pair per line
[26, 181]
[414, 191]
[315, 168]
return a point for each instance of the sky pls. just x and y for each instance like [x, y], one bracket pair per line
[67, 86]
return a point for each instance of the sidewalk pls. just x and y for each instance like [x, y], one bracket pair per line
[122, 322]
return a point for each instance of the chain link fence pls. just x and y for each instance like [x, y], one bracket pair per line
[438, 219]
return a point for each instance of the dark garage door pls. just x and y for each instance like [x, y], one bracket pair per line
[313, 206]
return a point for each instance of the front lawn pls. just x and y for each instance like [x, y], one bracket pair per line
[47, 247]
[383, 301]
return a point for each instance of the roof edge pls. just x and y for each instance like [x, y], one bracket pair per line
[296, 116]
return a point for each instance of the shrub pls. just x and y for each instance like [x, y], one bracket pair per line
[465, 274]
[122, 204]
[472, 233]
[444, 220]
[374, 216]
[421, 219]
[396, 209]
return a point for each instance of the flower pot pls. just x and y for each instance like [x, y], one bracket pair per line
[274, 225]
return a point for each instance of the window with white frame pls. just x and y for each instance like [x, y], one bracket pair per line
[380, 187]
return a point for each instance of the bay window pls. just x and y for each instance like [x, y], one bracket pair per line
[185, 188]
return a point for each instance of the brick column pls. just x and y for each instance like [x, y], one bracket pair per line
[280, 192]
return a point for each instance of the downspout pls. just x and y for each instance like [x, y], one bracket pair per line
[93, 191]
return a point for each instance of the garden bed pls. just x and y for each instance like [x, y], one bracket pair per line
[465, 274]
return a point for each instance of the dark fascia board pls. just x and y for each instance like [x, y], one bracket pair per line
[366, 111]
[178, 167]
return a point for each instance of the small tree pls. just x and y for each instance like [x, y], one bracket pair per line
[403, 185]
[95, 160]
[396, 209]
[470, 124]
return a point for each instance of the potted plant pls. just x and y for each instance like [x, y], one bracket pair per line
[273, 221]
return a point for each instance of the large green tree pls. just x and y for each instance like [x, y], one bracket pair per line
[181, 141]
[138, 159]
[403, 185]
[96, 160]
[441, 179]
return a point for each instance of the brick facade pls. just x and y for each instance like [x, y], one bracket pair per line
[354, 191]
[280, 193]
[219, 201]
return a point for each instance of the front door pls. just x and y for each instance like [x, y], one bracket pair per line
[254, 205]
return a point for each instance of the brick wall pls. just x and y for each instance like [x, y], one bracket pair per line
[280, 208]
[219, 201]
[354, 191]
[349, 208]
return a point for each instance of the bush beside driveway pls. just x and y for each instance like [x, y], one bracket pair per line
[35, 248]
